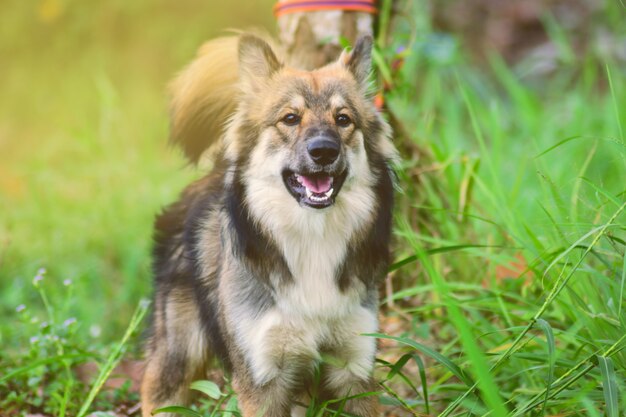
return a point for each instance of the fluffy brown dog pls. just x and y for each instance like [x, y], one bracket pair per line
[271, 262]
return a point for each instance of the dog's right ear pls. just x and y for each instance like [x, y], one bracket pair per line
[257, 61]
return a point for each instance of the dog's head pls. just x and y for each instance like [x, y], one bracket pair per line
[306, 133]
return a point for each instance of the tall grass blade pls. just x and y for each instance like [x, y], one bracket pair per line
[413, 258]
[615, 106]
[324, 410]
[609, 386]
[602, 191]
[575, 197]
[115, 356]
[547, 329]
[559, 143]
[424, 381]
[452, 367]
[621, 289]
[598, 231]
[399, 398]
[396, 369]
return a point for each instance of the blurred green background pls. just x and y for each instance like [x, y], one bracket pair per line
[84, 161]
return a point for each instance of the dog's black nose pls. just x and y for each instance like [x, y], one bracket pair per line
[323, 151]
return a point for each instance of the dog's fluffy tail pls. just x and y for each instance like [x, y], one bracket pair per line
[203, 97]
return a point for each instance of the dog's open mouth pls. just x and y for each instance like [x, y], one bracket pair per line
[317, 190]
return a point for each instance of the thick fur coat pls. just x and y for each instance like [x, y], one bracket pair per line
[271, 262]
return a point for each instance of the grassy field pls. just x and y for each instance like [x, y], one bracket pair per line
[508, 293]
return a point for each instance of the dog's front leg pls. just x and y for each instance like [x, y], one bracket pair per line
[342, 382]
[277, 362]
[272, 399]
[348, 372]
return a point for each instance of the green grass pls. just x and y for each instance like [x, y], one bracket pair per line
[510, 276]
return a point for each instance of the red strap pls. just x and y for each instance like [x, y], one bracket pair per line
[295, 6]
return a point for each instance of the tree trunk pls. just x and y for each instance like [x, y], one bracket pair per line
[312, 38]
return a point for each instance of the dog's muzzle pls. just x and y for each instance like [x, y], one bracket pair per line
[317, 190]
[319, 181]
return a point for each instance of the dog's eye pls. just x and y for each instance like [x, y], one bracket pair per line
[343, 120]
[291, 119]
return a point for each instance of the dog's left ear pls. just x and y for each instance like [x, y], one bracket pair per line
[359, 60]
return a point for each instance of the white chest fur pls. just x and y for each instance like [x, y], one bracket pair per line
[315, 259]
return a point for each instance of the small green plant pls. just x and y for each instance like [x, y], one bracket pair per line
[213, 403]
[41, 377]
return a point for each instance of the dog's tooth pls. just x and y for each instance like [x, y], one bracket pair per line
[329, 193]
[299, 178]
[318, 198]
[309, 193]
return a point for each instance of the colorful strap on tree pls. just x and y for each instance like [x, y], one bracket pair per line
[295, 6]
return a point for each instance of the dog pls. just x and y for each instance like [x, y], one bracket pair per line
[271, 262]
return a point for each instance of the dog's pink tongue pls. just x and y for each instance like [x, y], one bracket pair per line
[318, 185]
